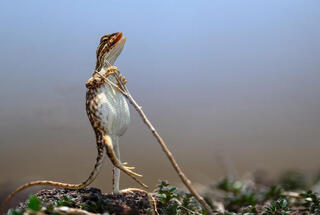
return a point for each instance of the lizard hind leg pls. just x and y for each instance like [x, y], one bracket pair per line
[116, 162]
[116, 170]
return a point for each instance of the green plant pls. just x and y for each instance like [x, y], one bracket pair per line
[229, 185]
[312, 202]
[65, 201]
[293, 180]
[237, 196]
[279, 207]
[274, 192]
[170, 201]
[34, 203]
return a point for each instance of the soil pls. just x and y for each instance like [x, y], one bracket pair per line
[91, 199]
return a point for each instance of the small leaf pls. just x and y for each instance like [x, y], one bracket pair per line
[173, 189]
[34, 203]
[283, 203]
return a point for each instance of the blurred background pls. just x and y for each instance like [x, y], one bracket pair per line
[234, 81]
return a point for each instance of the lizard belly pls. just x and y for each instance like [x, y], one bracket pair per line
[113, 110]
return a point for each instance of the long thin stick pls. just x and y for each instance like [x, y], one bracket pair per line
[163, 145]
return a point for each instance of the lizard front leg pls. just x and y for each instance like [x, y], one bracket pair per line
[115, 161]
[99, 79]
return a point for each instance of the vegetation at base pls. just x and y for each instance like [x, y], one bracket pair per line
[172, 201]
[226, 197]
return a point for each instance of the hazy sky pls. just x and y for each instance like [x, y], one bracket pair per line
[233, 77]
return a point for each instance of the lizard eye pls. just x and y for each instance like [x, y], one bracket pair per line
[105, 38]
[111, 37]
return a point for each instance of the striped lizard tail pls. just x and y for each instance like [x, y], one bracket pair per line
[92, 176]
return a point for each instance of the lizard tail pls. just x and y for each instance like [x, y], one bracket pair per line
[92, 176]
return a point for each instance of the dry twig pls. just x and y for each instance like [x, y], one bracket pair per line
[163, 145]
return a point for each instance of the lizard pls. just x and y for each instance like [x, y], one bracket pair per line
[108, 114]
[106, 106]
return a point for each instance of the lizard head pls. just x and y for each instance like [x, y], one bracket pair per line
[109, 49]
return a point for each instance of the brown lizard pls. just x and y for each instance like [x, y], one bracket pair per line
[106, 106]
[108, 113]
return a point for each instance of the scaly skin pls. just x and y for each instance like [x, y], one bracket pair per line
[109, 115]
[108, 50]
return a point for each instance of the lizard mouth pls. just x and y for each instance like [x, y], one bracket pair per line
[117, 39]
[115, 49]
[119, 42]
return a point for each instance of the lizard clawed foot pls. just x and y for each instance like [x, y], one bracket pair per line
[128, 170]
[112, 69]
[132, 190]
[152, 201]
[131, 168]
[98, 79]
[123, 79]
[118, 164]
